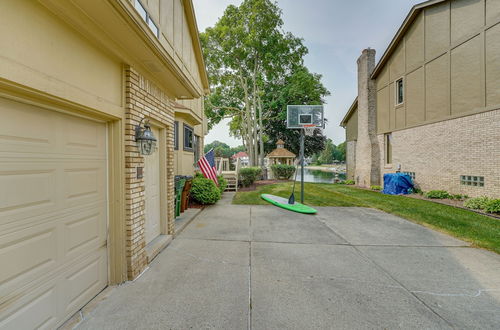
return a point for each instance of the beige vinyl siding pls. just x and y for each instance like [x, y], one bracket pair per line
[493, 65]
[415, 97]
[466, 77]
[449, 58]
[352, 127]
[175, 35]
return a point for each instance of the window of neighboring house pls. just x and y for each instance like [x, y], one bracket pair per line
[388, 148]
[399, 91]
[472, 180]
[146, 17]
[176, 135]
[188, 138]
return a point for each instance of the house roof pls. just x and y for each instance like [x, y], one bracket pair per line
[280, 141]
[349, 113]
[240, 154]
[281, 153]
[412, 15]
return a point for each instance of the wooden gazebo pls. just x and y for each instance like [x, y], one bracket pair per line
[280, 155]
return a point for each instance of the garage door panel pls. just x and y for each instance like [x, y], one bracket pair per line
[25, 128]
[57, 297]
[84, 182]
[41, 308]
[26, 255]
[83, 282]
[85, 233]
[53, 214]
[17, 193]
[84, 137]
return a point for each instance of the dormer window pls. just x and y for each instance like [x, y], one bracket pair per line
[147, 18]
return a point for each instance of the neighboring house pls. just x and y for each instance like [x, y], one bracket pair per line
[431, 106]
[81, 208]
[243, 156]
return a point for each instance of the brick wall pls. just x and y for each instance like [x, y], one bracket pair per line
[143, 99]
[440, 153]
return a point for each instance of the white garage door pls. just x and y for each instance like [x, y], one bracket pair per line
[53, 215]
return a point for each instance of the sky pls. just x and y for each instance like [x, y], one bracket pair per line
[335, 32]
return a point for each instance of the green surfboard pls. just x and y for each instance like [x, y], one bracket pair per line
[283, 203]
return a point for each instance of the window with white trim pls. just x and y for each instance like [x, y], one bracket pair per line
[400, 88]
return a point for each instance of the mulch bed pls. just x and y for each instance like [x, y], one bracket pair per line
[260, 183]
[195, 205]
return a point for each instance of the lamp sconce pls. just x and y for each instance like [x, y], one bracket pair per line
[146, 141]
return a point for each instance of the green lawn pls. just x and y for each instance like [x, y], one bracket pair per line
[480, 230]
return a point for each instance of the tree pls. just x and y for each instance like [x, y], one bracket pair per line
[221, 149]
[301, 87]
[339, 153]
[326, 156]
[247, 53]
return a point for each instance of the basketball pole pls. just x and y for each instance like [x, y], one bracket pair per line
[302, 133]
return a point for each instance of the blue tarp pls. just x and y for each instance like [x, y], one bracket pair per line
[397, 184]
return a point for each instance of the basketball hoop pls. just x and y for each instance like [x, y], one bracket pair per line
[309, 129]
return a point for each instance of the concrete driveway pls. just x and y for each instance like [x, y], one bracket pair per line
[261, 267]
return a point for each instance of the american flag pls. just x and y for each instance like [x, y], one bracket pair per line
[207, 166]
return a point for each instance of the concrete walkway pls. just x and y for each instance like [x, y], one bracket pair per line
[261, 267]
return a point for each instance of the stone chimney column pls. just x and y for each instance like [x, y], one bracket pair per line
[367, 150]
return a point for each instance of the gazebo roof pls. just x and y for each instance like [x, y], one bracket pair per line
[281, 153]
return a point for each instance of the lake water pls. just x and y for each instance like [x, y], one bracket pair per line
[319, 176]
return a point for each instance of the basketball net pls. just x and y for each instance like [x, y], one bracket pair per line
[309, 129]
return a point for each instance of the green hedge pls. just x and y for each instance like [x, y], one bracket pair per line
[204, 191]
[222, 183]
[283, 172]
[248, 175]
[493, 206]
[437, 194]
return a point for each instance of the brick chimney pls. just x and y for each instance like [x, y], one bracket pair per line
[367, 149]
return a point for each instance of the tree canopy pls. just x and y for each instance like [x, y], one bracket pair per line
[221, 149]
[255, 70]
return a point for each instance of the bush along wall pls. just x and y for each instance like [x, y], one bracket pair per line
[248, 175]
[205, 191]
[283, 172]
[222, 183]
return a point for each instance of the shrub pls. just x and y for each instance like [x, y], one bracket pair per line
[222, 183]
[378, 188]
[350, 182]
[248, 175]
[283, 172]
[458, 197]
[198, 175]
[493, 206]
[477, 203]
[437, 194]
[204, 191]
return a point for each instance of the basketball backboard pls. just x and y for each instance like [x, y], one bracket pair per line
[299, 116]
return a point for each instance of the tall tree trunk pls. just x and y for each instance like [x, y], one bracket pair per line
[261, 140]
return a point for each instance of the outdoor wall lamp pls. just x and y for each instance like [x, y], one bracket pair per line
[146, 141]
